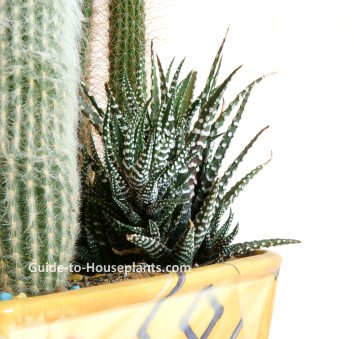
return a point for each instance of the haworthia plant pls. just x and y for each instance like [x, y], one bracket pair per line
[138, 202]
[39, 77]
[127, 47]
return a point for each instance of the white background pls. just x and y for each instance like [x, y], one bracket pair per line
[306, 192]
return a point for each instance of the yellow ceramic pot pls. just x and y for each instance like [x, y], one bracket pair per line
[229, 300]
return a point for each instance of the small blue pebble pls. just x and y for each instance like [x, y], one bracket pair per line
[5, 296]
[76, 287]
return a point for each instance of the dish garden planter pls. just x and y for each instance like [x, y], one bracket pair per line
[225, 300]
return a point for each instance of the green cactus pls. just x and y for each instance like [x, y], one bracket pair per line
[156, 195]
[127, 47]
[39, 74]
[87, 9]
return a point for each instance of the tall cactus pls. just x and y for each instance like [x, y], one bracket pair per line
[87, 10]
[127, 46]
[39, 74]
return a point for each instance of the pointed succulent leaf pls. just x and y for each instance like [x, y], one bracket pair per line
[251, 246]
[163, 82]
[123, 228]
[224, 229]
[168, 114]
[140, 173]
[161, 154]
[200, 133]
[191, 112]
[164, 227]
[169, 69]
[134, 138]
[233, 193]
[123, 125]
[108, 146]
[231, 170]
[214, 70]
[205, 119]
[147, 194]
[154, 88]
[154, 249]
[139, 135]
[131, 102]
[184, 98]
[175, 78]
[128, 143]
[207, 156]
[183, 251]
[175, 166]
[204, 217]
[178, 224]
[184, 192]
[119, 187]
[215, 223]
[154, 230]
[224, 144]
[179, 140]
[158, 134]
[184, 176]
[92, 100]
[206, 249]
[95, 119]
[230, 133]
[220, 121]
[164, 204]
[118, 140]
[226, 241]
[216, 74]
[200, 184]
[214, 165]
[128, 211]
[164, 215]
[179, 165]
[96, 164]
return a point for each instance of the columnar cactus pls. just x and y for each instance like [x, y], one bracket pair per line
[87, 9]
[39, 73]
[127, 46]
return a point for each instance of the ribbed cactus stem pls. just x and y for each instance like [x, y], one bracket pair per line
[39, 76]
[87, 9]
[127, 46]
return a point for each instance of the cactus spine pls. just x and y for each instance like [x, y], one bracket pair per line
[127, 46]
[39, 74]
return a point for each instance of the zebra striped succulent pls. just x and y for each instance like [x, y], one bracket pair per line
[154, 194]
